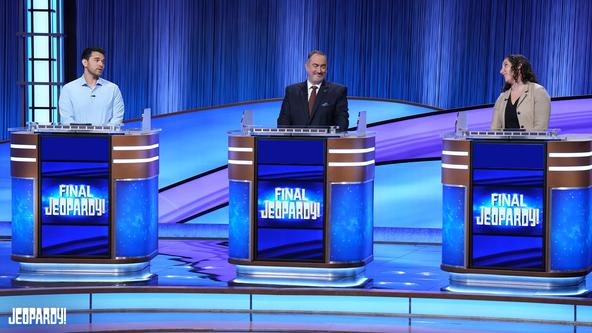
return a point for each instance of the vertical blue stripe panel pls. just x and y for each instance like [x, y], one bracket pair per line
[23, 223]
[492, 309]
[351, 221]
[570, 229]
[453, 225]
[171, 301]
[370, 304]
[136, 217]
[68, 301]
[239, 228]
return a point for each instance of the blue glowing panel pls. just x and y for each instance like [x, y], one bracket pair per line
[507, 227]
[453, 225]
[158, 317]
[238, 226]
[78, 197]
[74, 211]
[491, 309]
[503, 177]
[290, 220]
[570, 229]
[75, 148]
[290, 172]
[351, 222]
[509, 155]
[505, 252]
[508, 209]
[74, 240]
[343, 304]
[5, 183]
[23, 222]
[293, 151]
[282, 204]
[136, 217]
[71, 302]
[170, 301]
[290, 199]
[290, 244]
[584, 313]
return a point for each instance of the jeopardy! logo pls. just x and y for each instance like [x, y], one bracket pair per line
[76, 200]
[508, 210]
[291, 204]
[37, 316]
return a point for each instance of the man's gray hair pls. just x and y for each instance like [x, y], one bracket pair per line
[313, 52]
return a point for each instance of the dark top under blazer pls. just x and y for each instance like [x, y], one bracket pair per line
[330, 107]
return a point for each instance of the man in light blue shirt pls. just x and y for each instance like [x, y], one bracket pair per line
[91, 99]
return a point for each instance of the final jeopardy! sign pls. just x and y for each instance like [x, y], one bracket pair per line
[293, 203]
[511, 210]
[75, 201]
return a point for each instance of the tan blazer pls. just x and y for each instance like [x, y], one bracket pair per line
[534, 109]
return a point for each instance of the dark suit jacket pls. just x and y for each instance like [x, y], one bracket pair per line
[330, 107]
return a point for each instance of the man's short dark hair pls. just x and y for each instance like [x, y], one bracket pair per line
[89, 50]
[313, 52]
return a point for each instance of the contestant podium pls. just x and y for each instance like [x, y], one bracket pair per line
[300, 206]
[84, 203]
[516, 212]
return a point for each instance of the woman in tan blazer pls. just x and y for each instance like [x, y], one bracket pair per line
[523, 104]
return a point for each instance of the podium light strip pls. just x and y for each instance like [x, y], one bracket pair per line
[240, 162]
[135, 160]
[455, 166]
[350, 164]
[156, 145]
[455, 153]
[17, 146]
[23, 159]
[352, 151]
[571, 168]
[580, 154]
[241, 149]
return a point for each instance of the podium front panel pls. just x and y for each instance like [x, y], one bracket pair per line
[290, 199]
[301, 201]
[517, 207]
[508, 207]
[84, 197]
[74, 199]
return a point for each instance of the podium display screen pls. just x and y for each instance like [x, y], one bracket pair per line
[290, 199]
[508, 211]
[74, 196]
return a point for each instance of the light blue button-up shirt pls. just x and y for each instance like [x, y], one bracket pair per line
[79, 103]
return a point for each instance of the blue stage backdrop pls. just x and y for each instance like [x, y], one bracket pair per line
[9, 91]
[184, 54]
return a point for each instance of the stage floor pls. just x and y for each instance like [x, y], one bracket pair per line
[204, 263]
[411, 273]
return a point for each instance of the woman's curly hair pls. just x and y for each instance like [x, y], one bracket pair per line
[521, 68]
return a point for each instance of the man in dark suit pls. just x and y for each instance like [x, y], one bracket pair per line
[315, 102]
